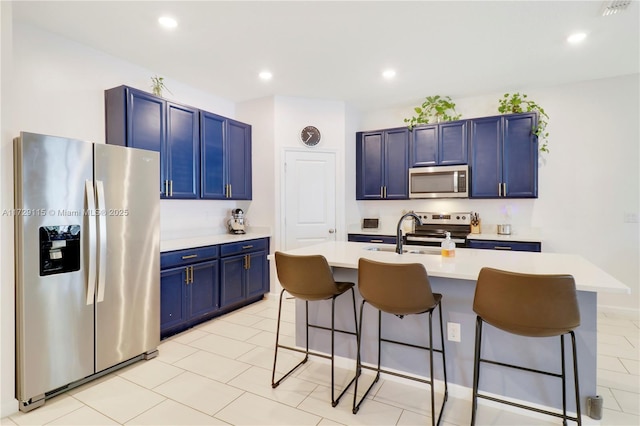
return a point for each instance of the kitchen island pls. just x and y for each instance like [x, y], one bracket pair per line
[455, 279]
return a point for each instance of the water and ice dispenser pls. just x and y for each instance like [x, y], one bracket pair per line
[59, 249]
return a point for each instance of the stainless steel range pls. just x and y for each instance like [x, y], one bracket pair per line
[435, 225]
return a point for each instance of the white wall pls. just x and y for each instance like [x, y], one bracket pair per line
[57, 87]
[587, 183]
[8, 403]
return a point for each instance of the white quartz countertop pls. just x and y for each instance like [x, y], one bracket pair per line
[467, 262]
[208, 240]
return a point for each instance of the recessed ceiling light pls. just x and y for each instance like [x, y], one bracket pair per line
[389, 74]
[168, 22]
[576, 38]
[265, 75]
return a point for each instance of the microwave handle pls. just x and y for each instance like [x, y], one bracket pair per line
[455, 181]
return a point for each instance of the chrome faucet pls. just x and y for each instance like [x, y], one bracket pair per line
[399, 236]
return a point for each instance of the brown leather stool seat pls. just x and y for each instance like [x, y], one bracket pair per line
[527, 305]
[309, 278]
[399, 289]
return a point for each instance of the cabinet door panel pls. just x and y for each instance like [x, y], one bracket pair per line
[183, 150]
[239, 159]
[520, 148]
[256, 274]
[212, 136]
[452, 143]
[370, 168]
[424, 146]
[486, 156]
[203, 297]
[397, 164]
[173, 308]
[146, 127]
[231, 280]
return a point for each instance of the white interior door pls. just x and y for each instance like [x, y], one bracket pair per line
[309, 198]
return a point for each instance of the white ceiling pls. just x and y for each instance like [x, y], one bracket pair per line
[337, 50]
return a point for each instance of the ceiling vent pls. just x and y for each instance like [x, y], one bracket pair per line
[611, 7]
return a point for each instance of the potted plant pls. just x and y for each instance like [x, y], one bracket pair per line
[157, 85]
[434, 109]
[515, 103]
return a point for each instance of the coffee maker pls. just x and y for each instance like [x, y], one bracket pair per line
[236, 223]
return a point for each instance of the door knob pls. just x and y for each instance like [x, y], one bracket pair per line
[331, 231]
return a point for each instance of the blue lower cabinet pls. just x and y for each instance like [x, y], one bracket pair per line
[244, 276]
[188, 295]
[173, 298]
[201, 283]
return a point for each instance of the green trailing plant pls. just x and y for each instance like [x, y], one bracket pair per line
[434, 109]
[157, 85]
[516, 103]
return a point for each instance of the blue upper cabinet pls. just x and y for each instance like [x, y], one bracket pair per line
[212, 132]
[226, 158]
[138, 120]
[439, 144]
[504, 156]
[183, 152]
[382, 163]
[239, 159]
[202, 155]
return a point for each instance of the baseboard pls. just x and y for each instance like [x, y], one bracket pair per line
[464, 393]
[624, 311]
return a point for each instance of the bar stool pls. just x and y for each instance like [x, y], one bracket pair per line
[527, 305]
[399, 289]
[309, 278]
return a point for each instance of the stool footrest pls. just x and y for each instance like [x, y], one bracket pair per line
[517, 367]
[526, 407]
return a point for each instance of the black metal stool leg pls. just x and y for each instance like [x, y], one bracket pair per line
[476, 370]
[433, 393]
[564, 382]
[575, 377]
[275, 384]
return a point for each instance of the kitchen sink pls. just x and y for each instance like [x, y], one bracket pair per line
[409, 251]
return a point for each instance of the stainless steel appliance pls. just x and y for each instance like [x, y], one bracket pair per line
[439, 182]
[435, 225]
[87, 262]
[236, 223]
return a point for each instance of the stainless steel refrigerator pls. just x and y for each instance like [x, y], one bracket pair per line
[87, 262]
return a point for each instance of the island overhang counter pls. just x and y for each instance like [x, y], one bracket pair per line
[455, 278]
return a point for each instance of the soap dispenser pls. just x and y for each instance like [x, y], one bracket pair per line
[448, 247]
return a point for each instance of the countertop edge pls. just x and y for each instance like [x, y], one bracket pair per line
[208, 240]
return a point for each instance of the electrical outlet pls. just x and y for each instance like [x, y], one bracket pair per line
[453, 331]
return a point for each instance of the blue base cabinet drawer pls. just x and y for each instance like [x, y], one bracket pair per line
[368, 238]
[188, 256]
[505, 245]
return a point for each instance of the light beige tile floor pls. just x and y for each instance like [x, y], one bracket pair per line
[220, 373]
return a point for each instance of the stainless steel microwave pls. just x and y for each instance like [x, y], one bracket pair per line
[439, 182]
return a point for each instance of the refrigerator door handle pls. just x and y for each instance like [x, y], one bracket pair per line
[102, 240]
[91, 273]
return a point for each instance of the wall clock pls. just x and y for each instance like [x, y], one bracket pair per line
[310, 136]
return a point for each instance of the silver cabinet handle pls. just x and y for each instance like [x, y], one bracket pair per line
[499, 189]
[91, 273]
[171, 188]
[376, 241]
[102, 240]
[502, 248]
[504, 189]
[189, 256]
[247, 247]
